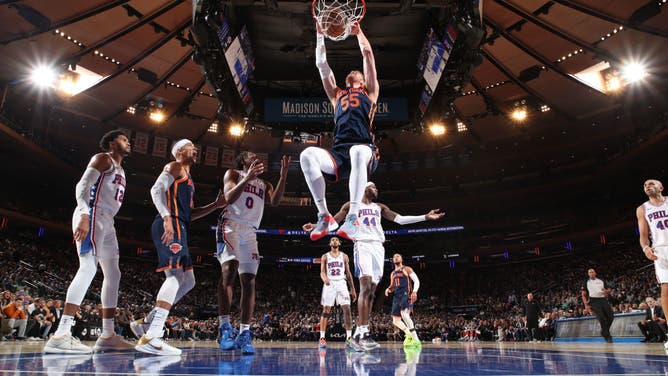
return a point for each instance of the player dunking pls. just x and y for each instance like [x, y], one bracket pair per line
[172, 195]
[653, 225]
[370, 254]
[352, 154]
[246, 196]
[336, 276]
[405, 294]
[99, 196]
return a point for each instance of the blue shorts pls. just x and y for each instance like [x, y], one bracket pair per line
[176, 255]
[340, 155]
[399, 303]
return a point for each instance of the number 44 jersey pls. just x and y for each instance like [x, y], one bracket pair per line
[369, 220]
[249, 207]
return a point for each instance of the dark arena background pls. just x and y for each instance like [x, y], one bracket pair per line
[532, 124]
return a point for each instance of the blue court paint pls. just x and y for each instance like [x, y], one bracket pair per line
[464, 360]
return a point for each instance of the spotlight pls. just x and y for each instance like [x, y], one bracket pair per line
[437, 129]
[213, 128]
[131, 110]
[68, 83]
[519, 114]
[461, 127]
[157, 116]
[44, 76]
[633, 72]
[236, 130]
[613, 84]
[544, 108]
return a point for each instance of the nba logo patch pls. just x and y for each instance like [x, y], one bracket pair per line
[175, 247]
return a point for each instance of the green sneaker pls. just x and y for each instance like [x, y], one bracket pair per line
[416, 344]
[408, 342]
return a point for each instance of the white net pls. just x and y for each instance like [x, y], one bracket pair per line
[337, 17]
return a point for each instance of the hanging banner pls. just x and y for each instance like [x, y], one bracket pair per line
[160, 147]
[211, 156]
[141, 143]
[228, 158]
[321, 110]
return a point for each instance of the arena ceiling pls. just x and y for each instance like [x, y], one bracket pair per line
[530, 52]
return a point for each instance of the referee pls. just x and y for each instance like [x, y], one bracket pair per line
[594, 299]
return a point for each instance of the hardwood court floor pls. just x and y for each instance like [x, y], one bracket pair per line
[290, 358]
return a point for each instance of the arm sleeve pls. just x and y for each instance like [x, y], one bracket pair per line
[408, 219]
[158, 190]
[321, 57]
[416, 282]
[82, 190]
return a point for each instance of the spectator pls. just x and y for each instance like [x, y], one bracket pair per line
[16, 317]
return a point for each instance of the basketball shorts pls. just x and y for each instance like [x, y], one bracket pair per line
[369, 259]
[239, 243]
[399, 303]
[661, 264]
[340, 155]
[175, 255]
[101, 239]
[335, 293]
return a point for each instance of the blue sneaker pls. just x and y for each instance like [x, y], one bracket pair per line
[245, 343]
[349, 228]
[226, 336]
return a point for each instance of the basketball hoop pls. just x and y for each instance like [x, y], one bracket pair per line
[337, 17]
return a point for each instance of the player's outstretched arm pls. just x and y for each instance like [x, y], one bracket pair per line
[369, 62]
[234, 184]
[207, 209]
[338, 217]
[100, 163]
[169, 174]
[276, 194]
[326, 74]
[391, 215]
[643, 230]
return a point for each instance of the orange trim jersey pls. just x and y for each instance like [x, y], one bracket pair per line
[353, 116]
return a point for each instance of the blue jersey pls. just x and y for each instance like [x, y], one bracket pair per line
[400, 282]
[180, 198]
[353, 117]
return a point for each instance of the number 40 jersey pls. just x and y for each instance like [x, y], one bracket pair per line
[657, 219]
[249, 207]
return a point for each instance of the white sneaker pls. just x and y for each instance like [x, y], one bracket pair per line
[112, 343]
[66, 344]
[55, 364]
[139, 328]
[156, 346]
[665, 345]
[152, 365]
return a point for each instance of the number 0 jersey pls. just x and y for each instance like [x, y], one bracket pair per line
[249, 207]
[353, 116]
[657, 219]
[369, 219]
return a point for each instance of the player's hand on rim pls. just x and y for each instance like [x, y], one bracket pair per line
[168, 236]
[355, 28]
[82, 229]
[434, 214]
[650, 253]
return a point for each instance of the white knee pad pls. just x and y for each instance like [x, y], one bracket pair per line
[82, 280]
[110, 283]
[169, 288]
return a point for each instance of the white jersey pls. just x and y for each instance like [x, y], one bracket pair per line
[657, 219]
[336, 267]
[369, 219]
[249, 207]
[108, 191]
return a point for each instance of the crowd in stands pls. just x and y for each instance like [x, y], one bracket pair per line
[35, 273]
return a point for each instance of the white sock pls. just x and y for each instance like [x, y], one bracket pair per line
[348, 333]
[243, 327]
[222, 319]
[158, 322]
[360, 155]
[65, 325]
[149, 317]
[413, 334]
[364, 329]
[322, 334]
[107, 327]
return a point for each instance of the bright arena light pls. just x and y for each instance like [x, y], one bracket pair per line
[437, 129]
[44, 76]
[236, 130]
[157, 116]
[613, 84]
[519, 114]
[633, 72]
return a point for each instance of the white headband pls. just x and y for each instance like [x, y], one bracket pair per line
[369, 184]
[179, 144]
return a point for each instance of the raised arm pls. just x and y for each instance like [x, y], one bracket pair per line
[276, 194]
[388, 214]
[326, 74]
[643, 229]
[233, 184]
[370, 75]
